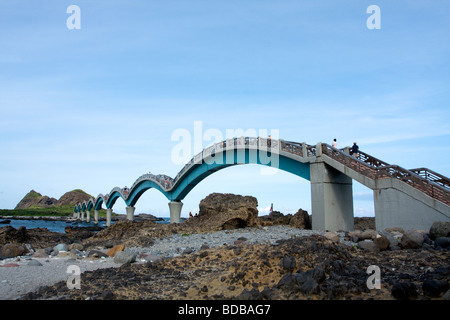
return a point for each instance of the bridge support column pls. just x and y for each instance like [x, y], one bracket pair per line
[331, 198]
[82, 215]
[130, 213]
[88, 216]
[175, 211]
[95, 216]
[78, 215]
[108, 217]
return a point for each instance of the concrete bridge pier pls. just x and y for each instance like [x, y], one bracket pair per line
[331, 198]
[175, 211]
[130, 213]
[108, 217]
[82, 215]
[88, 216]
[95, 216]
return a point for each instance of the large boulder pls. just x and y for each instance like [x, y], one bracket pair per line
[11, 250]
[228, 211]
[301, 220]
[440, 229]
[412, 239]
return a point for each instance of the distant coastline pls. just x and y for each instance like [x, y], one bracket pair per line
[116, 217]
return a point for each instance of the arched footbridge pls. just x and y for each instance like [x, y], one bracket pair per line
[404, 198]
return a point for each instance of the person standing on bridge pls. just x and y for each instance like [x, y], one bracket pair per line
[334, 143]
[355, 150]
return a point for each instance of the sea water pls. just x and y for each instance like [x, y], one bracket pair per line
[58, 226]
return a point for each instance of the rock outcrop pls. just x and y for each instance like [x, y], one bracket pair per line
[34, 199]
[73, 197]
[300, 219]
[228, 211]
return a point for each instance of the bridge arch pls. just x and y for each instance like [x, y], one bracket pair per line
[227, 158]
[112, 198]
[99, 202]
[90, 204]
[141, 186]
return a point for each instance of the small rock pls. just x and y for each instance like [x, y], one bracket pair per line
[253, 294]
[368, 245]
[412, 239]
[113, 251]
[237, 250]
[355, 235]
[446, 295]
[65, 254]
[11, 250]
[404, 290]
[333, 236]
[368, 234]
[269, 293]
[188, 251]
[122, 257]
[107, 295]
[440, 229]
[393, 241]
[29, 248]
[40, 253]
[288, 263]
[76, 246]
[61, 247]
[382, 243]
[309, 286]
[76, 252]
[34, 263]
[97, 254]
[434, 288]
[442, 242]
[150, 257]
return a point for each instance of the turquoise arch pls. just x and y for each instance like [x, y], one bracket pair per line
[208, 166]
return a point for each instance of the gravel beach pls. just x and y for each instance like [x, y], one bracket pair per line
[24, 274]
[19, 275]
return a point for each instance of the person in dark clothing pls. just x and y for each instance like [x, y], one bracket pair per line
[355, 150]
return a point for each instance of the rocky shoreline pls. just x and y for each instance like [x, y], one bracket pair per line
[227, 253]
[138, 217]
[262, 262]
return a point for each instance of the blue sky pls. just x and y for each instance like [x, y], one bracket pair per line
[95, 108]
